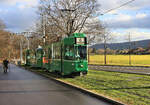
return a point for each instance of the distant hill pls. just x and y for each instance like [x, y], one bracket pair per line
[125, 45]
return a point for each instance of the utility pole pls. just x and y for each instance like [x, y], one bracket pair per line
[27, 37]
[129, 38]
[21, 58]
[11, 50]
[21, 46]
[70, 21]
[44, 28]
[105, 50]
[88, 54]
[28, 43]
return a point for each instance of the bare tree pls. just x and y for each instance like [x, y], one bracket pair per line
[35, 42]
[94, 30]
[4, 40]
[19, 43]
[64, 17]
[106, 38]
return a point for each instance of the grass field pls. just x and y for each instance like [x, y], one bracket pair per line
[130, 89]
[136, 60]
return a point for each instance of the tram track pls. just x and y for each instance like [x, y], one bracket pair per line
[121, 69]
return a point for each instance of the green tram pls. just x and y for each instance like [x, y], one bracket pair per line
[35, 58]
[67, 57]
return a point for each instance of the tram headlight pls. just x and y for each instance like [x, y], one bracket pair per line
[82, 66]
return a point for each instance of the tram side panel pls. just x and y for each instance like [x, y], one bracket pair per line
[70, 55]
[65, 57]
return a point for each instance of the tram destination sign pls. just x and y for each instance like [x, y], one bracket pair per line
[80, 40]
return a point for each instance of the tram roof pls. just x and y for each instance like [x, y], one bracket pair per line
[78, 35]
[68, 40]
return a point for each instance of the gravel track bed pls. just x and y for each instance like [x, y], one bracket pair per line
[122, 69]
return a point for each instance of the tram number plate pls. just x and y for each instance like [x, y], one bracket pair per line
[80, 40]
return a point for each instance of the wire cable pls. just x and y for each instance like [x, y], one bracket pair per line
[118, 7]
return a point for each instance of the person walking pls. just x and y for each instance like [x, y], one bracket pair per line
[5, 65]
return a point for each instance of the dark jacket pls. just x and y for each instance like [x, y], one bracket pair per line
[5, 62]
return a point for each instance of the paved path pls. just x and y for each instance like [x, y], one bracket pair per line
[137, 70]
[22, 87]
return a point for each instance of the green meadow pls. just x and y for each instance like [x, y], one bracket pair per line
[130, 89]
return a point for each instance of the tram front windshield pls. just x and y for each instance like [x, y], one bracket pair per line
[81, 52]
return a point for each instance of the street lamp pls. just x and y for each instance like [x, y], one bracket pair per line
[44, 21]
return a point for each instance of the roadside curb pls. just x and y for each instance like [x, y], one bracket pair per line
[88, 92]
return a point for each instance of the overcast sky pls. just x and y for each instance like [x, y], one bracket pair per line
[19, 15]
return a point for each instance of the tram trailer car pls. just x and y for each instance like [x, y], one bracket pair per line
[67, 57]
[34, 58]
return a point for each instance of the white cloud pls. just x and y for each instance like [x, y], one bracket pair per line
[135, 5]
[21, 7]
[140, 20]
[133, 15]
[117, 18]
[105, 5]
[141, 15]
[138, 4]
[115, 12]
[135, 35]
[15, 2]
[8, 2]
[123, 17]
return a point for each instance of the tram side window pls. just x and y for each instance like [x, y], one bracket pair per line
[57, 52]
[54, 52]
[69, 52]
[38, 55]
